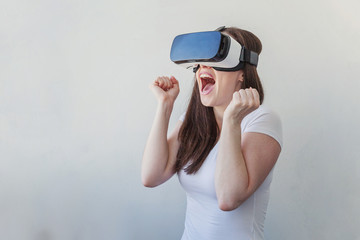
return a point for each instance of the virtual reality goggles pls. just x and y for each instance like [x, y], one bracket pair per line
[211, 48]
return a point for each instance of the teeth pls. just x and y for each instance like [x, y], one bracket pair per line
[205, 75]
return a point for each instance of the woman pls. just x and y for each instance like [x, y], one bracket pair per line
[223, 150]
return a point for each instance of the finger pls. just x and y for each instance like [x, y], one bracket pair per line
[156, 83]
[250, 97]
[164, 83]
[159, 81]
[256, 96]
[236, 97]
[175, 83]
[249, 93]
[155, 86]
[174, 80]
[167, 83]
[243, 96]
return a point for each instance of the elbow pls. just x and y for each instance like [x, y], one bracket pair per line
[230, 204]
[148, 182]
[230, 200]
[146, 179]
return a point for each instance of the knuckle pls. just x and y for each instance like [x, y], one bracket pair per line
[237, 104]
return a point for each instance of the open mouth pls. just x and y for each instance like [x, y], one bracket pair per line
[207, 83]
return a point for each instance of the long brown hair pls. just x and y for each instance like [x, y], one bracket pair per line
[199, 131]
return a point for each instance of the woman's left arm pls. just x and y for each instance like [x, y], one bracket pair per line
[244, 160]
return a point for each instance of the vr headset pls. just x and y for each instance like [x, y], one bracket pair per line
[211, 48]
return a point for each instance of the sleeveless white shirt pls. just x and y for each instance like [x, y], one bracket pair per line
[204, 219]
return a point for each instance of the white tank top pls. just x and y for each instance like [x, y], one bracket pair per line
[204, 219]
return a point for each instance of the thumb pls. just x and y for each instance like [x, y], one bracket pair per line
[174, 80]
[175, 83]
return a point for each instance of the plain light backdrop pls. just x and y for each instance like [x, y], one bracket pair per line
[75, 112]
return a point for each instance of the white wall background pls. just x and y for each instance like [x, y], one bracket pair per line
[75, 111]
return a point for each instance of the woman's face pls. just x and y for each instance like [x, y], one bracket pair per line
[217, 87]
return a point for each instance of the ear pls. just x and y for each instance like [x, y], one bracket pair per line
[240, 80]
[241, 76]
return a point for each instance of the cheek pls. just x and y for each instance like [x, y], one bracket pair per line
[229, 87]
[225, 92]
[238, 86]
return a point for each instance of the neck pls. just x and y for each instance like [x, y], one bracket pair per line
[219, 114]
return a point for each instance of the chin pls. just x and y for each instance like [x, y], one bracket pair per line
[206, 102]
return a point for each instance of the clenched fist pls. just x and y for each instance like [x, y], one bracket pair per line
[165, 89]
[243, 102]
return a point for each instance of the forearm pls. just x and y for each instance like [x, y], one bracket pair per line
[156, 151]
[231, 175]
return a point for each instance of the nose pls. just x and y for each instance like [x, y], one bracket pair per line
[204, 66]
[198, 66]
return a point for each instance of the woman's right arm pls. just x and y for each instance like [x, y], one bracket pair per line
[160, 150]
